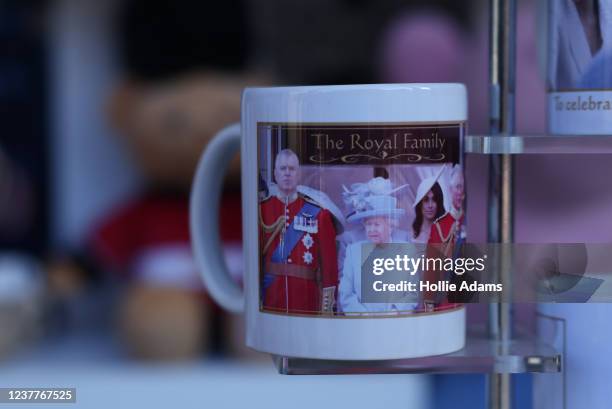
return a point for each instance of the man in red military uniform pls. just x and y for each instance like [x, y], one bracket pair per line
[298, 247]
[449, 227]
[445, 232]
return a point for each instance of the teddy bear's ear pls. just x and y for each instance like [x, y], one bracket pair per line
[121, 106]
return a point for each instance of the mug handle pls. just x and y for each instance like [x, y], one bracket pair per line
[204, 218]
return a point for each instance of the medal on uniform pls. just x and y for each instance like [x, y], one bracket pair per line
[307, 241]
[306, 222]
[307, 257]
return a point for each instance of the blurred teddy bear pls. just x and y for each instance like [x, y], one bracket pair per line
[185, 70]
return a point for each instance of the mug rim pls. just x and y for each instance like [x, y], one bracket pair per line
[420, 86]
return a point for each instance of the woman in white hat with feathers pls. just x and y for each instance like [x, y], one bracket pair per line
[374, 206]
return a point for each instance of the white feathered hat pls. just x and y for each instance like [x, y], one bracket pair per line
[372, 199]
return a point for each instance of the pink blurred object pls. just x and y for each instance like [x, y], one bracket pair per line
[424, 47]
[429, 46]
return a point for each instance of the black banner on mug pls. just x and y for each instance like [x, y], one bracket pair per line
[372, 144]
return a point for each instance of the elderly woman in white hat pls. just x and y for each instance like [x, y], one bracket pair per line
[374, 206]
[428, 206]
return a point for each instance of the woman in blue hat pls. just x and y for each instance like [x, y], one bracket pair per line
[376, 209]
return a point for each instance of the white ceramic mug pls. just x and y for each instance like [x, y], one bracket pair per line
[309, 155]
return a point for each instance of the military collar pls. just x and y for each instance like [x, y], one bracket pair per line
[289, 199]
[456, 213]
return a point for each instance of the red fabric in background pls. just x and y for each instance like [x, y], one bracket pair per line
[155, 220]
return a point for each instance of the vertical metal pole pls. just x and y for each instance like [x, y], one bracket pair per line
[500, 218]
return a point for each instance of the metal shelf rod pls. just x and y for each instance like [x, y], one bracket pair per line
[502, 52]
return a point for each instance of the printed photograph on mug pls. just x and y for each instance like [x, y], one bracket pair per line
[329, 193]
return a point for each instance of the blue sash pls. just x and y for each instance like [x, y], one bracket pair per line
[292, 236]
